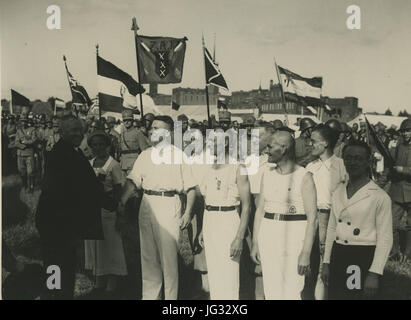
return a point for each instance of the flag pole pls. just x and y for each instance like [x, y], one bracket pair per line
[282, 93]
[206, 87]
[135, 28]
[99, 109]
[55, 110]
[68, 80]
[11, 103]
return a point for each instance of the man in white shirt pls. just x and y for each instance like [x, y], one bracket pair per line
[328, 172]
[161, 179]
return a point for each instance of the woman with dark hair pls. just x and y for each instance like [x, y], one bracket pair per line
[106, 257]
[359, 234]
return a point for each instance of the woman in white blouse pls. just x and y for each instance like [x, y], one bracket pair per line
[359, 234]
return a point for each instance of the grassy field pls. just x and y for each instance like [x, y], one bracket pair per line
[21, 236]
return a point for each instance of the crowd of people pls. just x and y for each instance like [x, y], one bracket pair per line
[319, 204]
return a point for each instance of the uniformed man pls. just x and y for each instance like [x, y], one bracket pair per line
[132, 142]
[147, 122]
[400, 190]
[114, 149]
[285, 222]
[41, 147]
[335, 125]
[54, 137]
[184, 122]
[224, 119]
[303, 153]
[328, 172]
[25, 139]
[225, 187]
[11, 131]
[161, 181]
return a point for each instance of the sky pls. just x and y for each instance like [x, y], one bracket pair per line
[309, 37]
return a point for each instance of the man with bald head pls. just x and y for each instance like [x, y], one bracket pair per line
[285, 221]
[69, 206]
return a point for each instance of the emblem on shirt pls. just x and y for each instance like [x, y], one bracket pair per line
[292, 209]
[218, 184]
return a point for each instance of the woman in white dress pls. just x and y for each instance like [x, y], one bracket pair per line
[106, 257]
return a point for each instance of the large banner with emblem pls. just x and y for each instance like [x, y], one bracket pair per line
[161, 59]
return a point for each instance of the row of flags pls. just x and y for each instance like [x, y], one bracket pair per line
[160, 60]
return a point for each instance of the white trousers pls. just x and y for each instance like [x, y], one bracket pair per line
[219, 231]
[159, 232]
[280, 244]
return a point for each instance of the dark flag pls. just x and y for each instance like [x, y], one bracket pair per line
[117, 89]
[19, 100]
[213, 73]
[175, 105]
[388, 160]
[300, 89]
[78, 92]
[160, 59]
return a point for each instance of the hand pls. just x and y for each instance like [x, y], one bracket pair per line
[398, 169]
[185, 221]
[255, 253]
[371, 284]
[303, 263]
[236, 248]
[325, 274]
[201, 240]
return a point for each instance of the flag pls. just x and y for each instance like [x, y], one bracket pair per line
[78, 92]
[175, 105]
[213, 73]
[160, 59]
[117, 89]
[299, 89]
[388, 160]
[19, 100]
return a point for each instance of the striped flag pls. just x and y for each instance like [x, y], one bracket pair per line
[78, 92]
[117, 89]
[299, 89]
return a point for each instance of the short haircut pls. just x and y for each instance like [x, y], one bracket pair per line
[357, 143]
[66, 120]
[165, 119]
[328, 134]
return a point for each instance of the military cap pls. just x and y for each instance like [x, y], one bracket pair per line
[306, 123]
[405, 125]
[334, 124]
[127, 115]
[277, 124]
[224, 116]
[182, 117]
[249, 121]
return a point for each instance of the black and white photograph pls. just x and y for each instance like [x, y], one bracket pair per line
[209, 153]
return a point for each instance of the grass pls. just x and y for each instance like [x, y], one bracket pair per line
[23, 240]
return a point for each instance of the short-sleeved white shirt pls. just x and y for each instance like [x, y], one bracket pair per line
[148, 175]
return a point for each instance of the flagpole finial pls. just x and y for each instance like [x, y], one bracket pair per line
[97, 46]
[64, 58]
[134, 25]
[202, 38]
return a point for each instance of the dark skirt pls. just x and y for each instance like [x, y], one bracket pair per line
[342, 257]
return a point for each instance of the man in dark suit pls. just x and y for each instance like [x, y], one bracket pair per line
[69, 208]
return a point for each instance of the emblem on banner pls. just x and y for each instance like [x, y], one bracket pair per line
[162, 64]
[292, 209]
